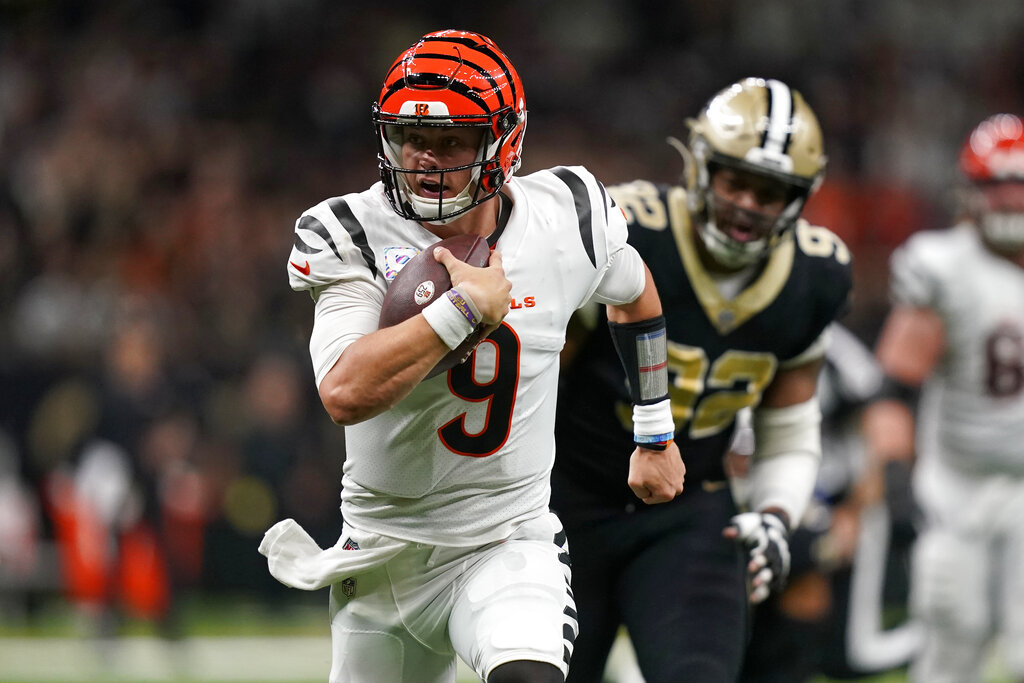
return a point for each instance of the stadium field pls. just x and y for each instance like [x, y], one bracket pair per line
[237, 639]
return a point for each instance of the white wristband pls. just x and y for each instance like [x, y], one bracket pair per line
[449, 321]
[653, 423]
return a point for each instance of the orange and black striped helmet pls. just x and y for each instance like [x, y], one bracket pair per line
[992, 161]
[451, 79]
[994, 151]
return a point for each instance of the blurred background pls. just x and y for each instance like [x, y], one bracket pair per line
[157, 405]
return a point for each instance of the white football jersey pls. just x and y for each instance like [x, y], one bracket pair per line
[973, 407]
[465, 458]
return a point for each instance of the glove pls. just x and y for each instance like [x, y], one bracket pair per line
[766, 541]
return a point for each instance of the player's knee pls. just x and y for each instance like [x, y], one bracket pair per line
[524, 671]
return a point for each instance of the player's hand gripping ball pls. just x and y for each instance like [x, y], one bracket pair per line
[422, 280]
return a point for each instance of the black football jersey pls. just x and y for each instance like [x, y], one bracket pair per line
[722, 353]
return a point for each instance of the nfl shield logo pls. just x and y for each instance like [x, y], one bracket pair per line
[348, 587]
[349, 544]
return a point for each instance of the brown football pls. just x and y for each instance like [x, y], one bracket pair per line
[422, 280]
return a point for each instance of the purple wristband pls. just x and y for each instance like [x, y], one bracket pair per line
[460, 303]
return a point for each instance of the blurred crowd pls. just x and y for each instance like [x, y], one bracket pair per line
[157, 408]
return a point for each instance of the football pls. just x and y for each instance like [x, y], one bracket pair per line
[422, 280]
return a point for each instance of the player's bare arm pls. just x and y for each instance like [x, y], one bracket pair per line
[793, 385]
[380, 369]
[911, 344]
[655, 475]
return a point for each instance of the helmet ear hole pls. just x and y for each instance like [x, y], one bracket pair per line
[507, 121]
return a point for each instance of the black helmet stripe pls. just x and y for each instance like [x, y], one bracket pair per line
[483, 49]
[473, 65]
[455, 86]
[778, 133]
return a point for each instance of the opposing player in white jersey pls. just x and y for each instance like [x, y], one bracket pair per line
[957, 328]
[448, 546]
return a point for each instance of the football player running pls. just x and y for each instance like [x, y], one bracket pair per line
[749, 290]
[956, 330]
[448, 548]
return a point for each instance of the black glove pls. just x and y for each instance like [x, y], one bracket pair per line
[766, 540]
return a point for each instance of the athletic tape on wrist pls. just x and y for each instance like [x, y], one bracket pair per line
[653, 426]
[448, 321]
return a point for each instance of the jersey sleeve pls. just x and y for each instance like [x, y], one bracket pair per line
[604, 233]
[325, 251]
[345, 311]
[624, 280]
[856, 375]
[913, 277]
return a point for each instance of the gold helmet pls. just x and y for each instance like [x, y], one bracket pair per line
[757, 126]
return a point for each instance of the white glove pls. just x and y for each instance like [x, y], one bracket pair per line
[766, 541]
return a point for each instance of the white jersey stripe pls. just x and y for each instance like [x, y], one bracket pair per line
[780, 117]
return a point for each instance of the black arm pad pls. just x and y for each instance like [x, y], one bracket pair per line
[643, 350]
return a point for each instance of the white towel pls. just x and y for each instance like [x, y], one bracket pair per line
[297, 561]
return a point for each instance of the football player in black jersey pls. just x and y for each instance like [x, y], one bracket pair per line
[748, 290]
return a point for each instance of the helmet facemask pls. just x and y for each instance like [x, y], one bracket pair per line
[997, 208]
[735, 236]
[486, 176]
[450, 79]
[764, 131]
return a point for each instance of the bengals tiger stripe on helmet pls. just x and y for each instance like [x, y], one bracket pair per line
[450, 79]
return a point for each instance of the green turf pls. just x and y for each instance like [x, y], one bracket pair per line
[249, 628]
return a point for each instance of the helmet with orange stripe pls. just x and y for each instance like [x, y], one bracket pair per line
[992, 160]
[456, 82]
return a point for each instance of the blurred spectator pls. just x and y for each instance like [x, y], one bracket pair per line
[20, 535]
